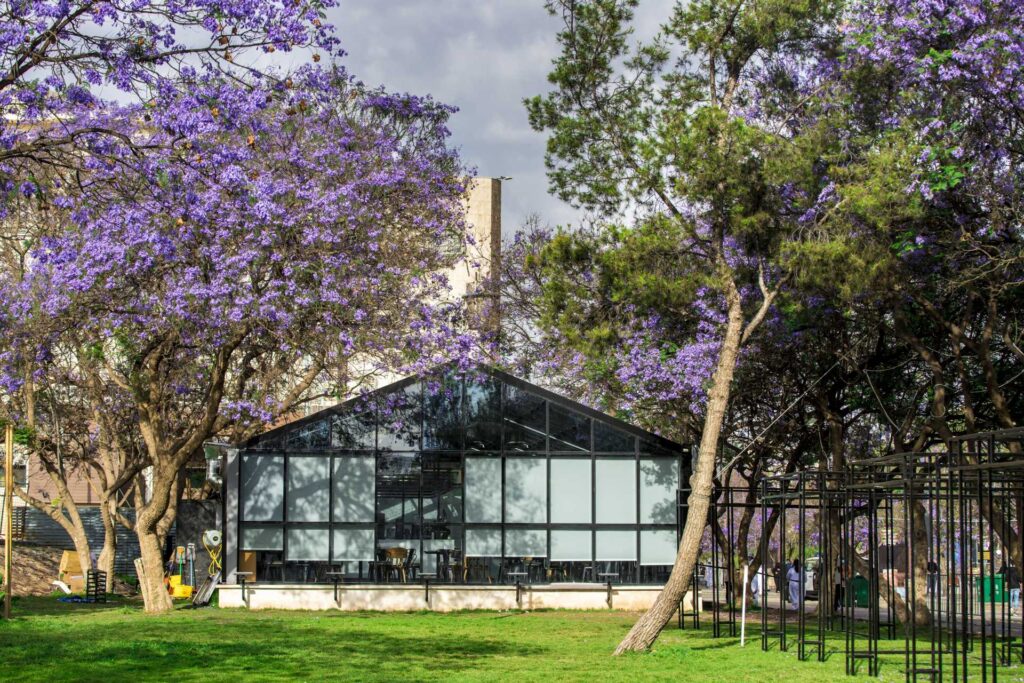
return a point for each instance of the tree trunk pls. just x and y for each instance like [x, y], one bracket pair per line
[71, 523]
[917, 562]
[154, 592]
[108, 554]
[646, 630]
[81, 542]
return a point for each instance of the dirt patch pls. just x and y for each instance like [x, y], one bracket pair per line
[36, 568]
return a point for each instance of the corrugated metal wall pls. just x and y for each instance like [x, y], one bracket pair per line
[41, 530]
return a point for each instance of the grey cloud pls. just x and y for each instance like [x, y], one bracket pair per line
[483, 57]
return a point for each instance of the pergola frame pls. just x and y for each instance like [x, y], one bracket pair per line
[963, 505]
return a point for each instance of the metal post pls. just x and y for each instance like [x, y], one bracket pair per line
[743, 618]
[8, 517]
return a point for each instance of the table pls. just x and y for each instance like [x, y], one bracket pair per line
[441, 564]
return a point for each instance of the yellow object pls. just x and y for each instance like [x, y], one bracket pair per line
[70, 571]
[176, 588]
[182, 592]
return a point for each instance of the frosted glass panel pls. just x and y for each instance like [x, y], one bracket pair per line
[483, 542]
[657, 547]
[308, 544]
[570, 491]
[571, 545]
[616, 491]
[616, 545]
[526, 542]
[659, 480]
[483, 489]
[262, 538]
[262, 488]
[526, 490]
[309, 482]
[354, 489]
[353, 545]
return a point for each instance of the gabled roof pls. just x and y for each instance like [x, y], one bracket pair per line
[480, 369]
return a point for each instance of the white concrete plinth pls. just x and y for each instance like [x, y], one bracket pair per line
[445, 598]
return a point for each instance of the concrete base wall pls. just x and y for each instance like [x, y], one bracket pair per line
[352, 598]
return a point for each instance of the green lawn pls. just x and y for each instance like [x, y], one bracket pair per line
[51, 641]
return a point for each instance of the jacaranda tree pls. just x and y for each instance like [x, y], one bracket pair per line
[239, 241]
[61, 64]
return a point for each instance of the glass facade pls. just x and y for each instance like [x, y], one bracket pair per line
[477, 479]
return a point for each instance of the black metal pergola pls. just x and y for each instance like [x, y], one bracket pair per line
[927, 546]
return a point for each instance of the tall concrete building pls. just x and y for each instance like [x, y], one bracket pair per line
[476, 279]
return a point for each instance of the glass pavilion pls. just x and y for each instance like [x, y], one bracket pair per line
[481, 478]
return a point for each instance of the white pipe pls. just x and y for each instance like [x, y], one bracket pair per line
[743, 608]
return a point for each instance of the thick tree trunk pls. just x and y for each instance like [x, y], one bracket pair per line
[154, 593]
[108, 555]
[917, 562]
[646, 630]
[81, 542]
[68, 518]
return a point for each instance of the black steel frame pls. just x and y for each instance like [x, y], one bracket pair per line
[646, 446]
[963, 504]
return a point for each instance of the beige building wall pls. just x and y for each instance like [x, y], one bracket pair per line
[411, 598]
[476, 276]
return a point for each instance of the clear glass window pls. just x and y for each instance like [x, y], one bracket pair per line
[525, 417]
[608, 439]
[569, 430]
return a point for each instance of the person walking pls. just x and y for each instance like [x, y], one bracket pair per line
[933, 577]
[1011, 581]
[839, 588]
[795, 587]
[758, 584]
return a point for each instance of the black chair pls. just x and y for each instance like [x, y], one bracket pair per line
[411, 565]
[378, 568]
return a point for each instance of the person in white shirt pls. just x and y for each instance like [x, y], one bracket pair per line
[795, 587]
[757, 586]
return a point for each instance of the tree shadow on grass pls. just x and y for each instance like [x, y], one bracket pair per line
[272, 649]
[28, 607]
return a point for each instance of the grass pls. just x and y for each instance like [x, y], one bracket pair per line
[53, 641]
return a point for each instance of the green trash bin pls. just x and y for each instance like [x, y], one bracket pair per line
[991, 588]
[859, 591]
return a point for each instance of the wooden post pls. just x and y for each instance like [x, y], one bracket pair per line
[8, 518]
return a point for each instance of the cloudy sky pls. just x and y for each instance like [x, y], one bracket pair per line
[484, 58]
